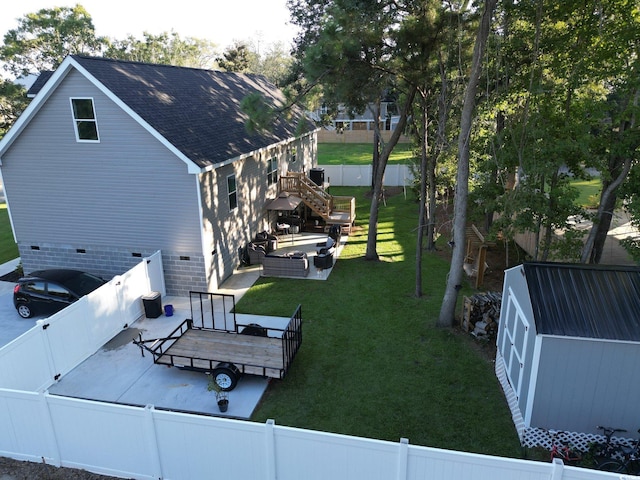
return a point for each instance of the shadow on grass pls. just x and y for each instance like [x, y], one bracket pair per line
[372, 362]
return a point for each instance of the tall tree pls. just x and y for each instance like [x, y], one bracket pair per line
[274, 62]
[43, 39]
[616, 135]
[13, 101]
[166, 48]
[358, 50]
[237, 58]
[454, 280]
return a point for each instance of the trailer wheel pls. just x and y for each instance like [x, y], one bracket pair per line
[255, 330]
[226, 376]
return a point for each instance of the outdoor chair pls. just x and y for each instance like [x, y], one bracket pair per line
[256, 253]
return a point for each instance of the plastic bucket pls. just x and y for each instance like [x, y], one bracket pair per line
[168, 310]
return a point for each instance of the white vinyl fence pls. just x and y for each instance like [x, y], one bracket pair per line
[145, 443]
[360, 175]
[59, 343]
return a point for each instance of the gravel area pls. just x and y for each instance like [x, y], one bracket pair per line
[11, 469]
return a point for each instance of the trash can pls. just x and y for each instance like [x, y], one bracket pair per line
[152, 305]
[168, 310]
[316, 175]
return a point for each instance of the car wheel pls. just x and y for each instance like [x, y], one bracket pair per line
[226, 376]
[24, 311]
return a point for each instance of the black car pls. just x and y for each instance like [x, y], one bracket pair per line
[49, 291]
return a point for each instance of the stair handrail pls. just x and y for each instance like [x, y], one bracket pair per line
[314, 197]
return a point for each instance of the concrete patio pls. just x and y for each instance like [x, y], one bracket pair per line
[119, 373]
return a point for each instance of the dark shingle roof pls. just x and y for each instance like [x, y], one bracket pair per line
[197, 111]
[39, 83]
[593, 301]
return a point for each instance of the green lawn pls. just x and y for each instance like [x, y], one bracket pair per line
[358, 153]
[589, 192]
[8, 248]
[372, 362]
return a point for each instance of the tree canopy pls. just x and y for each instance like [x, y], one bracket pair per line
[43, 39]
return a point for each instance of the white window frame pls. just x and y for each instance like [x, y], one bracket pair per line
[232, 195]
[77, 120]
[272, 170]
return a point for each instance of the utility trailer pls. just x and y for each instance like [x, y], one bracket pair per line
[213, 341]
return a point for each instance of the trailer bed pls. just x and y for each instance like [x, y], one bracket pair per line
[201, 348]
[207, 343]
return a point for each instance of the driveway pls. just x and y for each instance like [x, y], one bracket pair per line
[12, 325]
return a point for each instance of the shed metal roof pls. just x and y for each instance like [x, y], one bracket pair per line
[592, 301]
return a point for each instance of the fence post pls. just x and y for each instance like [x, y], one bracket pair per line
[403, 454]
[556, 469]
[50, 429]
[152, 441]
[269, 438]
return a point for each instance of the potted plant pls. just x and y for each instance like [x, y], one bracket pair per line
[222, 396]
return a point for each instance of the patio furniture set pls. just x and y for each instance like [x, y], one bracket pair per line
[263, 250]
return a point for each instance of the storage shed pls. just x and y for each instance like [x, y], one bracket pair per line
[568, 347]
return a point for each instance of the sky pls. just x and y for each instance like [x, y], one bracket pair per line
[220, 21]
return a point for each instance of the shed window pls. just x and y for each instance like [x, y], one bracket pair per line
[232, 192]
[84, 120]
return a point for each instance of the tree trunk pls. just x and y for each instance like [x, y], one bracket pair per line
[376, 145]
[602, 227]
[454, 281]
[605, 199]
[547, 224]
[431, 202]
[372, 237]
[423, 198]
[441, 142]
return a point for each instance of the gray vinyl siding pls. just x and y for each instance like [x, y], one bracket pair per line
[583, 383]
[127, 190]
[226, 231]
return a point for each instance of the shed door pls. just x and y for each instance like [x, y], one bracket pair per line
[514, 331]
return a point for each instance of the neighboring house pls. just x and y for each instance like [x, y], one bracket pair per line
[569, 347]
[344, 121]
[114, 160]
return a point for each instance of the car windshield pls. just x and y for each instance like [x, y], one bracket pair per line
[83, 284]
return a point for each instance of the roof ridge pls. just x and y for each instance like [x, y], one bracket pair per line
[166, 65]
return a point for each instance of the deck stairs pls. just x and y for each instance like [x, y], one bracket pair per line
[334, 210]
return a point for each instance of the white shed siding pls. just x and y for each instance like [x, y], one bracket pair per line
[516, 338]
[127, 190]
[583, 383]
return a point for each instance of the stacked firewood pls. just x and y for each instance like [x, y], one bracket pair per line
[482, 314]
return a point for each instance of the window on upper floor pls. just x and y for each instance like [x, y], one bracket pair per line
[294, 154]
[272, 171]
[232, 192]
[84, 120]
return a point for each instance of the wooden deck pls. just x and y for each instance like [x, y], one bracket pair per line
[202, 348]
